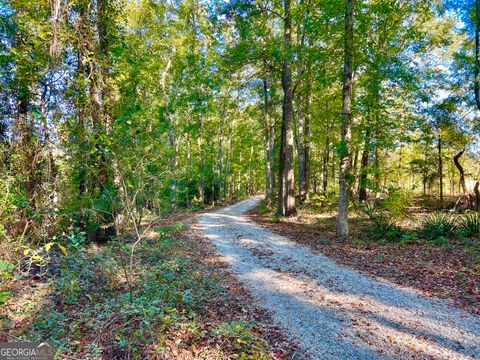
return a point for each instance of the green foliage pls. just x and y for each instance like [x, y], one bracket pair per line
[469, 225]
[438, 225]
[317, 200]
[370, 208]
[6, 269]
[241, 332]
[169, 291]
[385, 229]
[396, 201]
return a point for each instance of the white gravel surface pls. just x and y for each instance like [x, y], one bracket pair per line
[333, 311]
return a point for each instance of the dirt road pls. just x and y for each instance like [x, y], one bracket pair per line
[333, 311]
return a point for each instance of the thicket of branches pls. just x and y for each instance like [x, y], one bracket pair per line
[114, 108]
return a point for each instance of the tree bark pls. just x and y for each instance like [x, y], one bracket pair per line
[477, 195]
[463, 185]
[288, 112]
[362, 186]
[281, 173]
[346, 135]
[440, 169]
[477, 54]
[266, 128]
[300, 143]
[306, 153]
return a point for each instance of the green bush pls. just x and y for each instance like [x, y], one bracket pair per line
[371, 210]
[438, 225]
[396, 201]
[386, 230]
[469, 225]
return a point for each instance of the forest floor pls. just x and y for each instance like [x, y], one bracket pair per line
[335, 311]
[177, 301]
[449, 270]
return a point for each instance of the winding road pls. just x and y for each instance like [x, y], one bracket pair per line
[335, 312]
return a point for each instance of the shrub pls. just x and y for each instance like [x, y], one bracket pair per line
[469, 225]
[396, 201]
[386, 230]
[438, 225]
[371, 210]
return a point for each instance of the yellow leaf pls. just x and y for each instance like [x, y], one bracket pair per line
[64, 251]
[26, 251]
[48, 246]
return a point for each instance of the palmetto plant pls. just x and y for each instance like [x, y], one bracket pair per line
[469, 225]
[438, 225]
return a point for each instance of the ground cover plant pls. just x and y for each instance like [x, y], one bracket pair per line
[178, 303]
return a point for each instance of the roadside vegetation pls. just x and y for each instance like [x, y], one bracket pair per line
[358, 120]
[402, 238]
[174, 301]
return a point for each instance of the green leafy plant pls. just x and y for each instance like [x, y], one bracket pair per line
[6, 269]
[469, 225]
[438, 225]
[396, 201]
[370, 209]
[386, 230]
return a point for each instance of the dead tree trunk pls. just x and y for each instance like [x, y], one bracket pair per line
[465, 195]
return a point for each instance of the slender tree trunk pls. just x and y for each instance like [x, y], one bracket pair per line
[82, 172]
[271, 153]
[287, 113]
[220, 166]
[326, 160]
[354, 171]
[300, 144]
[306, 153]
[266, 127]
[477, 194]
[362, 187]
[346, 135]
[201, 181]
[281, 174]
[477, 54]
[477, 80]
[440, 169]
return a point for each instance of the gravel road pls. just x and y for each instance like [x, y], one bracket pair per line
[335, 312]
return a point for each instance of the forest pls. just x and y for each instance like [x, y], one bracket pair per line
[138, 137]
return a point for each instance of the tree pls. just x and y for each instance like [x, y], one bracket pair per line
[346, 134]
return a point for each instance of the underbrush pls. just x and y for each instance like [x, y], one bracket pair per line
[97, 305]
[437, 229]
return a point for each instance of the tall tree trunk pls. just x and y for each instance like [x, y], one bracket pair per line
[300, 143]
[287, 113]
[266, 128]
[477, 54]
[440, 168]
[476, 81]
[326, 160]
[201, 180]
[82, 172]
[306, 152]
[281, 173]
[362, 187]
[477, 193]
[346, 135]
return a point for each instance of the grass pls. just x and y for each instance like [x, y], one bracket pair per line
[173, 302]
